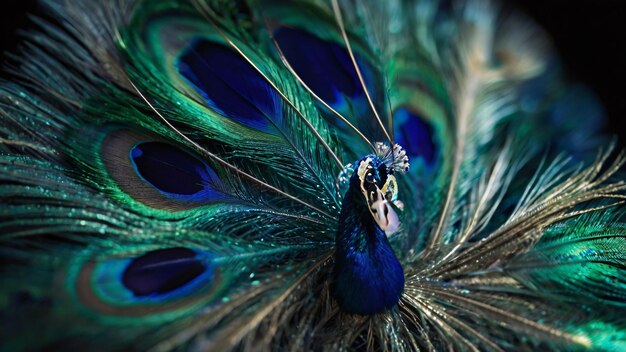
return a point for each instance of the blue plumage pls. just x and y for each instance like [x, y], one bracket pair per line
[368, 278]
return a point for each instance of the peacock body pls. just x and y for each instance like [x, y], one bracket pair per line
[303, 175]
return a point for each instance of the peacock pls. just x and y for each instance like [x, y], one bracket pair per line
[322, 175]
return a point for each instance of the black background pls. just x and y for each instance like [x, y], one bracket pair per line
[589, 35]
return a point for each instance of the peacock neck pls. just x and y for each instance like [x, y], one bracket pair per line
[368, 278]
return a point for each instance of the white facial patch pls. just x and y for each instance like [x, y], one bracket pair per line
[384, 215]
[379, 201]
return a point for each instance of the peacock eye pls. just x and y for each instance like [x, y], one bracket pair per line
[167, 168]
[416, 135]
[146, 282]
[158, 174]
[369, 177]
[229, 84]
[163, 271]
[171, 170]
[324, 66]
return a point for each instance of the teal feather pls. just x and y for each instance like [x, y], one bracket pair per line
[176, 175]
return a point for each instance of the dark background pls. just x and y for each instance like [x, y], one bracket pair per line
[589, 35]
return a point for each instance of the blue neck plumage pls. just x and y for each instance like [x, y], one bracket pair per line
[368, 278]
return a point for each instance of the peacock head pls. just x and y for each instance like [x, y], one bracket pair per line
[368, 277]
[377, 183]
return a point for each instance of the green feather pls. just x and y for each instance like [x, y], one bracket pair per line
[510, 236]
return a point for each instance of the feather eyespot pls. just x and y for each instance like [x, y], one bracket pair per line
[157, 173]
[171, 170]
[326, 68]
[158, 282]
[229, 84]
[163, 271]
